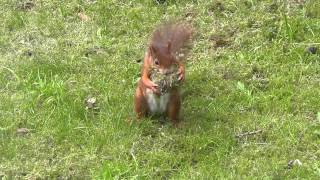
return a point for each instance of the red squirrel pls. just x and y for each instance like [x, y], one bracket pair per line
[166, 42]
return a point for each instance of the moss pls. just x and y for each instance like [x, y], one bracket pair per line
[165, 81]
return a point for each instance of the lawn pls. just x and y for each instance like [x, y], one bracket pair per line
[251, 98]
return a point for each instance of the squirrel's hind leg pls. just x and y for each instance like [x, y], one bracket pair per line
[140, 104]
[173, 107]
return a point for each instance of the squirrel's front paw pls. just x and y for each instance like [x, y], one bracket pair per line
[150, 85]
[181, 74]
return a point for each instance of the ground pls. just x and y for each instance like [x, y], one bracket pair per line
[68, 70]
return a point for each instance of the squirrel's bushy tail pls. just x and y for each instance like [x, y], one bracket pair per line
[178, 35]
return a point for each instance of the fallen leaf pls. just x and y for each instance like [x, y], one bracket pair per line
[27, 6]
[312, 50]
[22, 131]
[91, 103]
[219, 41]
[83, 16]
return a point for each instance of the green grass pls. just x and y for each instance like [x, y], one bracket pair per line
[248, 71]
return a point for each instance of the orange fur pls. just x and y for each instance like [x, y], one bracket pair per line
[166, 42]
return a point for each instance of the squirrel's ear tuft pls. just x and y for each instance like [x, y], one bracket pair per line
[169, 46]
[152, 49]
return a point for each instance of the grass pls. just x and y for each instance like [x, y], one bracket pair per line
[249, 70]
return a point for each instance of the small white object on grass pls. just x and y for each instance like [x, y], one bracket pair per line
[22, 131]
[295, 162]
[91, 103]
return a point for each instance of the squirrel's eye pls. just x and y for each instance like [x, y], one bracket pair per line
[156, 62]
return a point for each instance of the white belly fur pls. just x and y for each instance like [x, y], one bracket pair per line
[157, 104]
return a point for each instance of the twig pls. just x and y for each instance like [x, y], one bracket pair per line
[252, 144]
[132, 154]
[311, 43]
[248, 133]
[12, 72]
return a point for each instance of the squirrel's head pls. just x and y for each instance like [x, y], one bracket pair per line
[162, 57]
